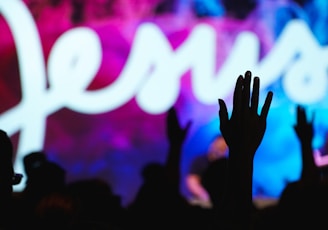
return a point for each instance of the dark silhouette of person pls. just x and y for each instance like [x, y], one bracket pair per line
[243, 133]
[302, 202]
[159, 203]
[44, 178]
[97, 207]
[8, 178]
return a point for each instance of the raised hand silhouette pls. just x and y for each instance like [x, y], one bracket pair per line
[175, 132]
[304, 131]
[176, 135]
[243, 133]
[303, 128]
[160, 192]
[245, 129]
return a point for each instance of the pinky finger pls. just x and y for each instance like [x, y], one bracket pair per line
[266, 106]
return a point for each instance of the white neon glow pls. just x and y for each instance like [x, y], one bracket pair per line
[70, 74]
[299, 57]
[29, 116]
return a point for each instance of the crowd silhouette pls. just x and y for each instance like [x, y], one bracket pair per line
[49, 202]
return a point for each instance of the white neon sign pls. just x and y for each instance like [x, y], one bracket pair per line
[151, 74]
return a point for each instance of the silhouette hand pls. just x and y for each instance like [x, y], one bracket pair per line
[243, 133]
[175, 132]
[303, 128]
[304, 131]
[245, 129]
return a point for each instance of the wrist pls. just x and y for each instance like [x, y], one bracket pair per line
[240, 156]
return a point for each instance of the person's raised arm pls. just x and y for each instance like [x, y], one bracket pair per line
[176, 135]
[304, 131]
[243, 133]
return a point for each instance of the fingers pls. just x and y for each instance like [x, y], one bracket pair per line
[301, 115]
[172, 116]
[172, 112]
[223, 114]
[298, 114]
[247, 89]
[238, 96]
[266, 106]
[242, 95]
[187, 127]
[255, 95]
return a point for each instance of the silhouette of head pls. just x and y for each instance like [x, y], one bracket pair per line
[33, 161]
